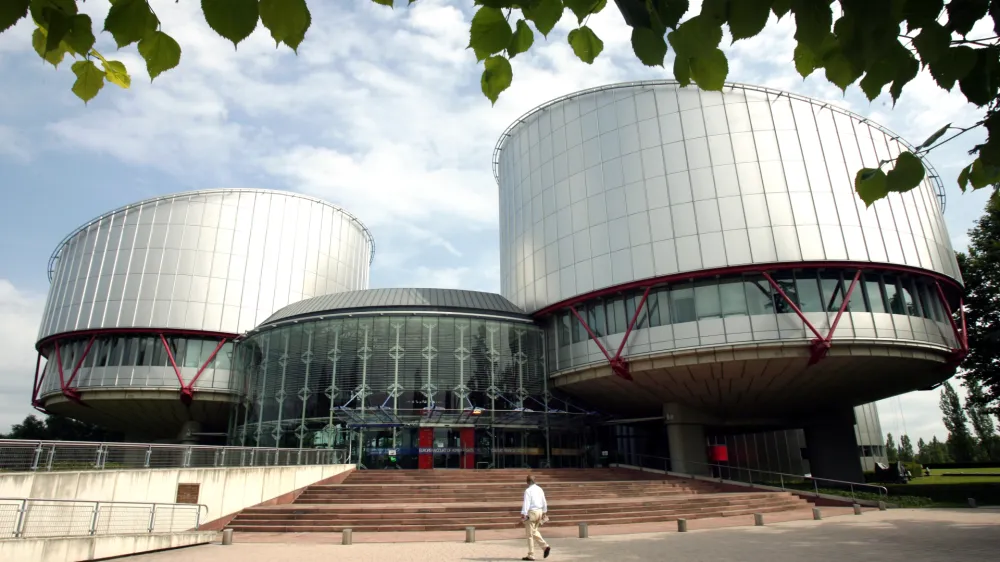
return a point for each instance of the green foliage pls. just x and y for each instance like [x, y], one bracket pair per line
[891, 452]
[961, 445]
[907, 455]
[59, 428]
[986, 493]
[876, 45]
[89, 79]
[497, 76]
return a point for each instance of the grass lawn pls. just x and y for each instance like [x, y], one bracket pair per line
[937, 478]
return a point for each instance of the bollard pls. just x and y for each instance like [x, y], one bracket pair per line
[882, 506]
[857, 509]
[348, 536]
[758, 519]
[584, 531]
[227, 537]
[682, 525]
[470, 534]
[972, 502]
[817, 514]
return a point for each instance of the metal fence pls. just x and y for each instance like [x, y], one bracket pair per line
[24, 456]
[29, 518]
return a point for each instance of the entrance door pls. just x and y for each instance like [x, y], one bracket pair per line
[426, 448]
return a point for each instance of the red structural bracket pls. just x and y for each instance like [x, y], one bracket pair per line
[64, 384]
[37, 385]
[821, 346]
[187, 389]
[959, 353]
[619, 365]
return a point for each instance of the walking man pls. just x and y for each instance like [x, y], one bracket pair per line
[533, 515]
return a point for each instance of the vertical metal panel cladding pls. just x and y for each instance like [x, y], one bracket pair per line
[642, 180]
[216, 261]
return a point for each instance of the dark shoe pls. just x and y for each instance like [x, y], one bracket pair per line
[545, 553]
[527, 558]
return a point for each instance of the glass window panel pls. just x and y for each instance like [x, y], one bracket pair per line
[616, 316]
[857, 295]
[786, 283]
[925, 301]
[659, 308]
[758, 295]
[893, 297]
[909, 296]
[873, 292]
[682, 304]
[833, 290]
[579, 332]
[707, 301]
[563, 326]
[807, 287]
[733, 299]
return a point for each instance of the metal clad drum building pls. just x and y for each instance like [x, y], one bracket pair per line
[188, 272]
[728, 220]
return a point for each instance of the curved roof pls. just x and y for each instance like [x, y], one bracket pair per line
[423, 299]
[62, 243]
[730, 86]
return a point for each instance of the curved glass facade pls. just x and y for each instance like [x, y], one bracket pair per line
[139, 362]
[745, 308]
[374, 377]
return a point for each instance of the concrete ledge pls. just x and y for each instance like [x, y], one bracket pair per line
[737, 486]
[72, 549]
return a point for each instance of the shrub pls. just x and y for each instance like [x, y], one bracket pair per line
[985, 493]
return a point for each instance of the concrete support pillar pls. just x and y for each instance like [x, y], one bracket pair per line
[686, 440]
[833, 447]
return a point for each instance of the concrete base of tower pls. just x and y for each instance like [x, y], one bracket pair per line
[833, 447]
[686, 439]
[148, 415]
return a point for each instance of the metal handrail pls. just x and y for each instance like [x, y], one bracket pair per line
[31, 517]
[45, 456]
[667, 463]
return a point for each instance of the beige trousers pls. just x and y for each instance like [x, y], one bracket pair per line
[531, 530]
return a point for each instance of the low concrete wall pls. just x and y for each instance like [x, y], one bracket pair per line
[225, 491]
[96, 548]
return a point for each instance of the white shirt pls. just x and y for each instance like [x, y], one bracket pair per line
[534, 498]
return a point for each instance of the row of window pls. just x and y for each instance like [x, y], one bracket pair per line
[142, 351]
[749, 295]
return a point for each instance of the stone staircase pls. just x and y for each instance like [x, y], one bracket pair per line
[450, 500]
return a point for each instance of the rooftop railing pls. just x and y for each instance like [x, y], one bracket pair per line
[38, 518]
[46, 456]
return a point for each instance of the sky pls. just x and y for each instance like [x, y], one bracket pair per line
[379, 112]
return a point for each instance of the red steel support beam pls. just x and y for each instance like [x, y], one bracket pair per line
[791, 304]
[635, 317]
[619, 365]
[37, 385]
[958, 354]
[591, 333]
[76, 370]
[187, 389]
[68, 392]
[821, 346]
[965, 329]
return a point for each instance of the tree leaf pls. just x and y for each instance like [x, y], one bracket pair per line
[919, 13]
[876, 77]
[53, 57]
[963, 177]
[840, 70]
[963, 14]
[954, 65]
[57, 25]
[129, 21]
[583, 8]
[932, 42]
[981, 175]
[870, 185]
[497, 76]
[696, 36]
[682, 70]
[813, 20]
[490, 33]
[933, 138]
[748, 17]
[709, 70]
[233, 19]
[781, 7]
[288, 21]
[89, 80]
[981, 83]
[995, 15]
[716, 11]
[11, 11]
[805, 60]
[585, 43]
[522, 39]
[81, 34]
[670, 12]
[385, 2]
[907, 174]
[907, 68]
[38, 7]
[649, 46]
[161, 53]
[116, 73]
[545, 14]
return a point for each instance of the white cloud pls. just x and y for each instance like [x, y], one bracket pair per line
[14, 145]
[20, 313]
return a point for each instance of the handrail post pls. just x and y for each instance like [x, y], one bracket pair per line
[197, 517]
[187, 457]
[93, 519]
[816, 486]
[223, 460]
[152, 517]
[149, 456]
[38, 455]
[52, 458]
[852, 490]
[21, 513]
[782, 477]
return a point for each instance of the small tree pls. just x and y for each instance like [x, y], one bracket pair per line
[961, 445]
[890, 449]
[937, 452]
[982, 422]
[905, 449]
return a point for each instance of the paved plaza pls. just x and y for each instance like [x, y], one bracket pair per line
[903, 535]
